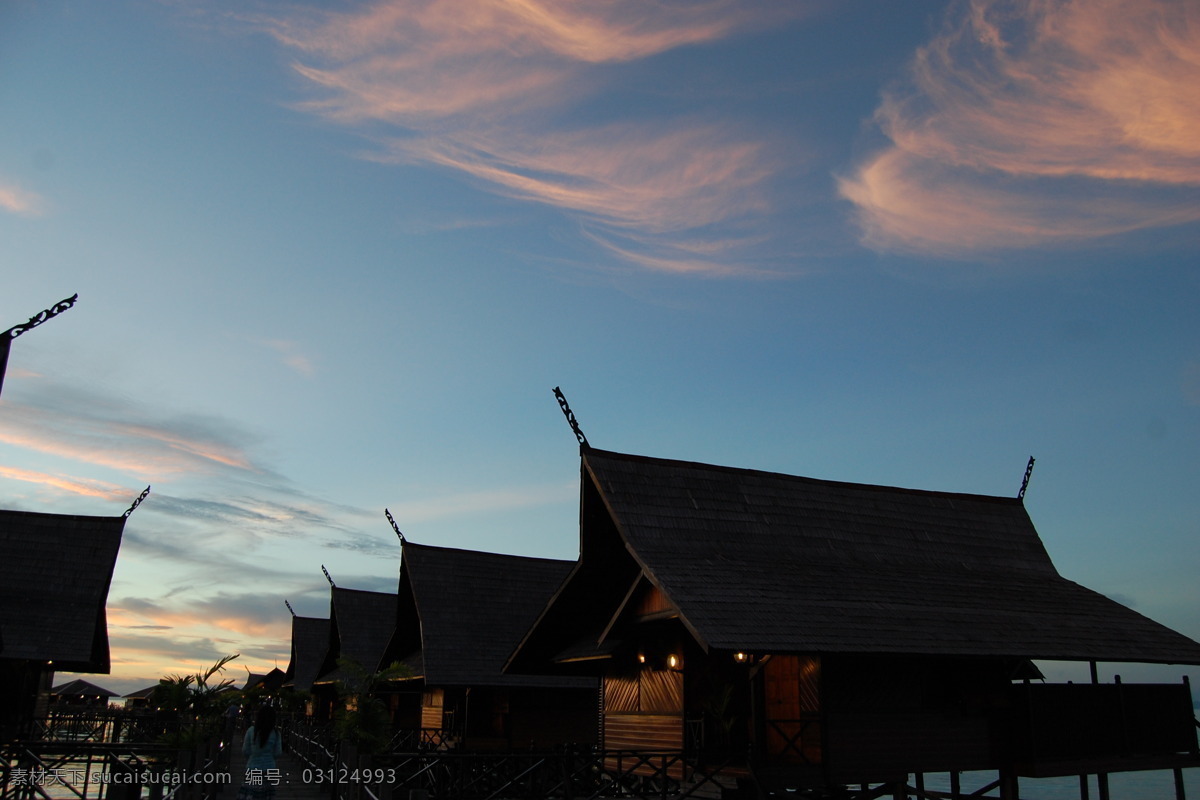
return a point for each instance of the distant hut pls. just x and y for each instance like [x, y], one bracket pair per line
[266, 684]
[80, 694]
[460, 615]
[142, 698]
[55, 570]
[310, 640]
[816, 634]
[360, 626]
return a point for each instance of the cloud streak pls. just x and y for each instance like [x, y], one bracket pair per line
[1026, 123]
[478, 88]
[20, 202]
[96, 431]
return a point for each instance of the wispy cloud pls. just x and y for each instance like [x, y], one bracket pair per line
[21, 202]
[84, 487]
[293, 357]
[478, 88]
[1027, 122]
[97, 430]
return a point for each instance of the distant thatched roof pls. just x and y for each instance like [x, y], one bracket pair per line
[764, 562]
[310, 640]
[81, 688]
[270, 681]
[468, 611]
[360, 626]
[55, 570]
[142, 694]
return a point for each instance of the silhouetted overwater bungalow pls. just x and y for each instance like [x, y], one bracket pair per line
[813, 633]
[142, 698]
[360, 626]
[55, 571]
[310, 641]
[268, 683]
[460, 615]
[80, 693]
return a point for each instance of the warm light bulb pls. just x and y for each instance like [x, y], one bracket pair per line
[739, 657]
[641, 658]
[672, 661]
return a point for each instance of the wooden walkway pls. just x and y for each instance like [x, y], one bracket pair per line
[292, 785]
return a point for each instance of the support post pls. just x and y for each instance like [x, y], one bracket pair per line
[955, 786]
[1084, 789]
[1179, 791]
[1102, 785]
[1010, 788]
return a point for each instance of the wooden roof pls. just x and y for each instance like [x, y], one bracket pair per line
[82, 688]
[55, 570]
[360, 626]
[310, 640]
[763, 562]
[270, 681]
[469, 610]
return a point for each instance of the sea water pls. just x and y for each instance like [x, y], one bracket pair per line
[1144, 785]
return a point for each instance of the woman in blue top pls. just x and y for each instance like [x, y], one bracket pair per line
[261, 745]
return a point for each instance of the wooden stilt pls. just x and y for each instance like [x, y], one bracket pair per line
[1179, 791]
[955, 786]
[1010, 788]
[1102, 786]
[1083, 787]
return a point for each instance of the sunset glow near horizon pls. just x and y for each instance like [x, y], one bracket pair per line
[333, 259]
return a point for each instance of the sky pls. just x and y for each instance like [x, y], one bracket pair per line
[333, 258]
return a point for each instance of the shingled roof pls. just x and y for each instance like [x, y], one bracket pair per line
[310, 640]
[470, 610]
[764, 562]
[360, 626]
[55, 570]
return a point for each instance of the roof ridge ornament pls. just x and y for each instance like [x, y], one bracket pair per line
[137, 502]
[328, 577]
[566, 409]
[395, 527]
[1025, 480]
[41, 316]
[289, 606]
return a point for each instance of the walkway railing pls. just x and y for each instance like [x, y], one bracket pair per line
[108, 755]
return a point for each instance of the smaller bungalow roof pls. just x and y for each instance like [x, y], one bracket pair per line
[81, 688]
[269, 681]
[55, 571]
[360, 626]
[471, 609]
[310, 640]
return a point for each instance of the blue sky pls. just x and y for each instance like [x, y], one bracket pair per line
[334, 258]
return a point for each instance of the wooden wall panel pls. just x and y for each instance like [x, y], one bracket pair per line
[431, 708]
[644, 732]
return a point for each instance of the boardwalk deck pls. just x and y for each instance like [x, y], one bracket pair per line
[292, 780]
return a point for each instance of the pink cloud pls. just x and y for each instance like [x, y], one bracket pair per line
[407, 60]
[85, 487]
[654, 179]
[16, 200]
[469, 87]
[145, 450]
[1013, 102]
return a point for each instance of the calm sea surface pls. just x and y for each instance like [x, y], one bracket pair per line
[1156, 785]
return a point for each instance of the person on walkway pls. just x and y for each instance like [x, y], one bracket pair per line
[261, 746]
